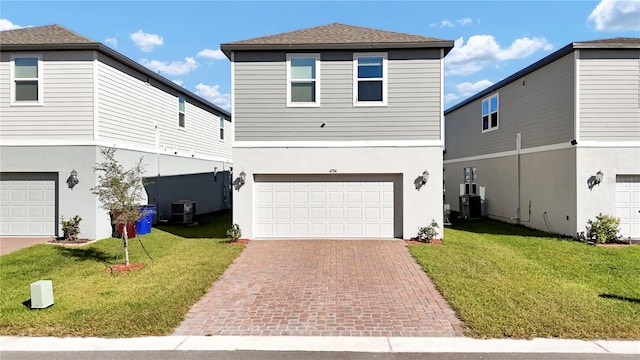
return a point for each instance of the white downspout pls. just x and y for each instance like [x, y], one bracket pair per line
[518, 147]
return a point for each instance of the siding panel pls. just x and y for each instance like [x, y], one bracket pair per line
[610, 96]
[67, 110]
[413, 110]
[540, 106]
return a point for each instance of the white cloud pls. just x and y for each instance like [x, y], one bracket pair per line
[482, 50]
[178, 82]
[521, 48]
[466, 89]
[465, 21]
[8, 25]
[612, 15]
[212, 93]
[146, 42]
[113, 42]
[212, 54]
[175, 68]
[446, 23]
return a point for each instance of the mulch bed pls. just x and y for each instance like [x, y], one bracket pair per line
[68, 242]
[432, 242]
[120, 268]
[239, 241]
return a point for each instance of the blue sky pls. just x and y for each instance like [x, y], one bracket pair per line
[181, 39]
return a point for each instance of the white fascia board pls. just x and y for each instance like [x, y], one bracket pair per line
[334, 144]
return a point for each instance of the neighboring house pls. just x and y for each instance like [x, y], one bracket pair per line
[533, 145]
[64, 96]
[334, 128]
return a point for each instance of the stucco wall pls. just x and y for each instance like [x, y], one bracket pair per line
[418, 206]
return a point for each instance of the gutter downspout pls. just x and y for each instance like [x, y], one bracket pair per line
[518, 147]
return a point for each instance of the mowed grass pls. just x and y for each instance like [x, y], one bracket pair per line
[90, 301]
[510, 281]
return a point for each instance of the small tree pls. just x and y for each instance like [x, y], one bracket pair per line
[120, 192]
[604, 229]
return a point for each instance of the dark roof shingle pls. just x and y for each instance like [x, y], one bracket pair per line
[43, 35]
[336, 36]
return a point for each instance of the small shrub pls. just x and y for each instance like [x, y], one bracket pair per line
[604, 229]
[427, 233]
[234, 233]
[71, 227]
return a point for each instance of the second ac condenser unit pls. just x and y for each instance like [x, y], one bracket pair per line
[183, 211]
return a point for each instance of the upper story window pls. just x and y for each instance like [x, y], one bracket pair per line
[370, 79]
[221, 127]
[26, 82]
[490, 113]
[303, 79]
[181, 116]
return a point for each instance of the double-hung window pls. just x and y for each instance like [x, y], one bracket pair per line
[370, 79]
[470, 181]
[490, 113]
[26, 84]
[221, 127]
[181, 113]
[303, 80]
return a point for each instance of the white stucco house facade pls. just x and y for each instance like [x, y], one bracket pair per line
[338, 133]
[63, 97]
[555, 144]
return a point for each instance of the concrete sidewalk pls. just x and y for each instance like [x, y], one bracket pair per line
[322, 343]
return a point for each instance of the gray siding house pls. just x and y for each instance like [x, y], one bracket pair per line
[338, 133]
[64, 96]
[534, 144]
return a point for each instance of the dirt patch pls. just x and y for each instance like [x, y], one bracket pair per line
[120, 268]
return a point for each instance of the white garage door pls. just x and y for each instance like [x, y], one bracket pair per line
[27, 204]
[314, 207]
[628, 205]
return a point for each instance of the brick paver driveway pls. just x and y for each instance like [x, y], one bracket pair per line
[322, 288]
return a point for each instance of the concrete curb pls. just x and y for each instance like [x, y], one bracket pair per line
[321, 343]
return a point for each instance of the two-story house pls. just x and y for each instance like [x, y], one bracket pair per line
[554, 144]
[63, 97]
[338, 133]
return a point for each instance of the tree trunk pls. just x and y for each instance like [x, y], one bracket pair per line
[125, 242]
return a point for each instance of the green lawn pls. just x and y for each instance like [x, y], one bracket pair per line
[509, 281]
[89, 301]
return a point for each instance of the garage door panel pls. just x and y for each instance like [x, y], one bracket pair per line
[308, 207]
[628, 204]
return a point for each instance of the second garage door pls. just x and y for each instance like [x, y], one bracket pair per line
[323, 207]
[27, 204]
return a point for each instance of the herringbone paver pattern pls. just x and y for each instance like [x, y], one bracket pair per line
[323, 288]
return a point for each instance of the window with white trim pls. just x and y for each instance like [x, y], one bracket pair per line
[370, 79]
[181, 112]
[303, 80]
[470, 181]
[221, 127]
[26, 79]
[490, 113]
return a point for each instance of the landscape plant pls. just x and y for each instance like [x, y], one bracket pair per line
[71, 227]
[234, 233]
[120, 191]
[428, 233]
[604, 229]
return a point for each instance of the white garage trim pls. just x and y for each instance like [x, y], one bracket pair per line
[325, 206]
[28, 205]
[628, 205]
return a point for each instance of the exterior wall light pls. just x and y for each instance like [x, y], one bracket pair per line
[598, 177]
[243, 177]
[425, 177]
[72, 180]
[421, 180]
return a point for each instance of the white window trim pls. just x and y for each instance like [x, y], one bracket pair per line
[316, 56]
[40, 101]
[385, 79]
[183, 128]
[490, 129]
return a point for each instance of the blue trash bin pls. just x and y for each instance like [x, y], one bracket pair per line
[143, 226]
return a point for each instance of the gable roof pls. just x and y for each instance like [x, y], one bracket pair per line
[613, 43]
[337, 36]
[57, 37]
